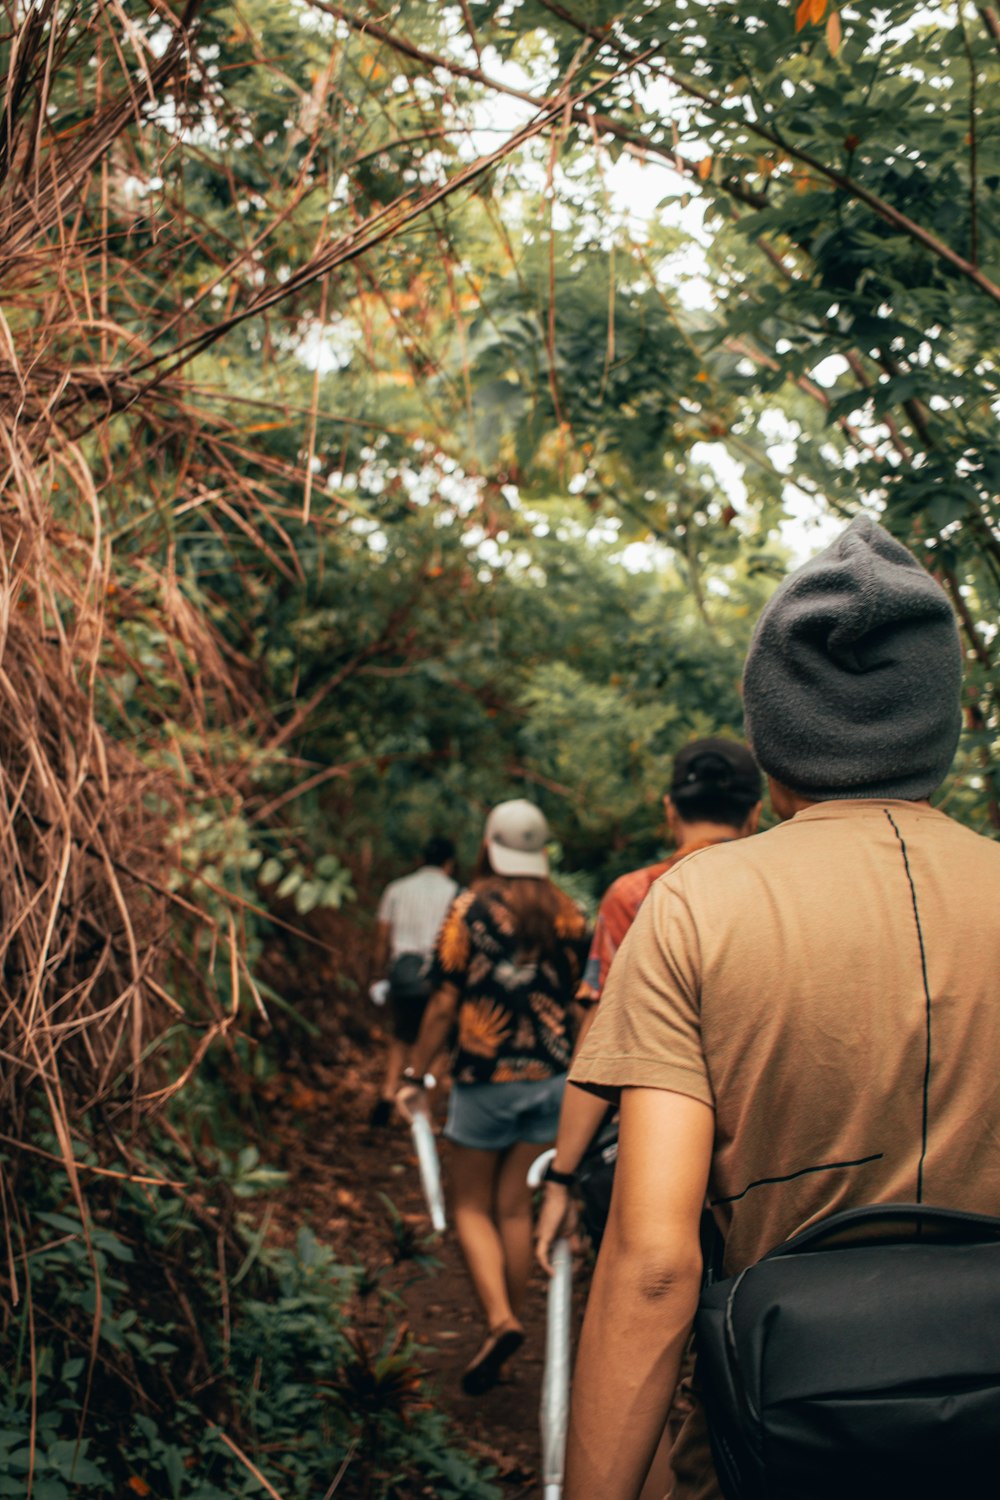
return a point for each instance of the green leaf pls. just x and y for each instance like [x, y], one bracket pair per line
[307, 896]
[291, 883]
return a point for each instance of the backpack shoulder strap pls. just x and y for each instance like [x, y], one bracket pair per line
[956, 1222]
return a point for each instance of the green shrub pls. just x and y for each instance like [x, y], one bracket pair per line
[218, 1362]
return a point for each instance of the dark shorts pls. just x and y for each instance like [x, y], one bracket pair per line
[493, 1116]
[406, 1013]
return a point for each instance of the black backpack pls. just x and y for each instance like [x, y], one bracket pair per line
[859, 1369]
[595, 1177]
[409, 977]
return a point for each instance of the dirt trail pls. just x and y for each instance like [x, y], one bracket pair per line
[340, 1168]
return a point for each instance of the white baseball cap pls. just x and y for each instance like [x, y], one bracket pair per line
[516, 834]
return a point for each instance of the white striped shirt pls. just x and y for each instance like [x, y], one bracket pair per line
[414, 908]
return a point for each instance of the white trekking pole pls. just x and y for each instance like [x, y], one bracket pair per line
[430, 1168]
[554, 1409]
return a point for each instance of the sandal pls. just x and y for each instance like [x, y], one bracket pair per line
[482, 1373]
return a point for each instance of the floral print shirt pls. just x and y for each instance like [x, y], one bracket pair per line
[515, 1021]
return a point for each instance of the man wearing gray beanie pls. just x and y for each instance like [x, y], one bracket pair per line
[852, 679]
[802, 1022]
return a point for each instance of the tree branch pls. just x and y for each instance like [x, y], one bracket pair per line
[885, 210]
[991, 21]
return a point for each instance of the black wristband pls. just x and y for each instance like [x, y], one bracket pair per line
[564, 1179]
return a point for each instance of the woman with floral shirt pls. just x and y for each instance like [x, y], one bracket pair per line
[505, 971]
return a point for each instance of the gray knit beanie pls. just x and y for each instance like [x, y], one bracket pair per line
[851, 684]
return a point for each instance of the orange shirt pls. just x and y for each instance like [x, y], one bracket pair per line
[618, 909]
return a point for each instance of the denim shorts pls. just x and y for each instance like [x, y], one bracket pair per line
[493, 1116]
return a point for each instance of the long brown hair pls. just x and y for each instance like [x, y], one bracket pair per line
[532, 900]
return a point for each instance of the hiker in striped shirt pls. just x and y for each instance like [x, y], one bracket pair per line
[410, 915]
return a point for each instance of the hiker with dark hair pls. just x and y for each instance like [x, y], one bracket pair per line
[715, 796]
[439, 853]
[506, 968]
[797, 1024]
[409, 919]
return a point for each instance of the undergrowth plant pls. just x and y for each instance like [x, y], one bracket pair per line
[162, 1349]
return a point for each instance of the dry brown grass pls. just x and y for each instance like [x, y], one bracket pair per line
[102, 947]
[104, 944]
[85, 823]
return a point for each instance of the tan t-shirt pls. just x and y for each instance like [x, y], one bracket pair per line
[832, 988]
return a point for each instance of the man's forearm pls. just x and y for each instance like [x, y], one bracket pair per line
[638, 1320]
[579, 1121]
[644, 1295]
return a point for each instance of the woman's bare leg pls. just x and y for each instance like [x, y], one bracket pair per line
[514, 1219]
[474, 1185]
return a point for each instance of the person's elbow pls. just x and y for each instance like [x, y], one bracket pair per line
[434, 1027]
[656, 1268]
[441, 1007]
[658, 1278]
